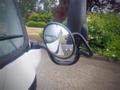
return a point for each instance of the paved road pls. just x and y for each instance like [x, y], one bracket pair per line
[87, 74]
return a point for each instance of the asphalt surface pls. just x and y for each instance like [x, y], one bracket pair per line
[88, 74]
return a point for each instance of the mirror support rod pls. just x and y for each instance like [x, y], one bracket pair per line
[83, 40]
[77, 15]
[36, 45]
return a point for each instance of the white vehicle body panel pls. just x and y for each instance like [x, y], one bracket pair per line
[19, 75]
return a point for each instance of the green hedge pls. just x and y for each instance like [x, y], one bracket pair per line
[39, 19]
[104, 33]
[36, 24]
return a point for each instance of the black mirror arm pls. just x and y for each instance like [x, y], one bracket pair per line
[36, 45]
[89, 53]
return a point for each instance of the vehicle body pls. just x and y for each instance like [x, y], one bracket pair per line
[19, 74]
[19, 57]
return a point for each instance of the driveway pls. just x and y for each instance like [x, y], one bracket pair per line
[88, 74]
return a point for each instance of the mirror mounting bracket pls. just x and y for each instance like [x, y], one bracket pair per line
[89, 52]
[36, 45]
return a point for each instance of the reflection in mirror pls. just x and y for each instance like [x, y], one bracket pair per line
[58, 40]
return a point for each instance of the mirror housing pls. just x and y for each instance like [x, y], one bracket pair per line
[60, 44]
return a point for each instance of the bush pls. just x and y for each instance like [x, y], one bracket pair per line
[39, 19]
[31, 23]
[41, 35]
[36, 24]
[43, 16]
[33, 17]
[42, 24]
[104, 33]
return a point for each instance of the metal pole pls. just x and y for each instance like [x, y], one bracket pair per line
[77, 16]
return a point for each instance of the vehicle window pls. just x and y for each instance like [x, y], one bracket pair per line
[9, 27]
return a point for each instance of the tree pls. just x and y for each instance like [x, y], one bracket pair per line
[27, 6]
[47, 5]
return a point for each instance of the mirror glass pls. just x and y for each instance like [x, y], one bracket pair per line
[58, 40]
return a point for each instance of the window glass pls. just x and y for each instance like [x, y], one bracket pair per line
[9, 25]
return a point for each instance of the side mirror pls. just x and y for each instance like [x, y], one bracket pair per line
[60, 44]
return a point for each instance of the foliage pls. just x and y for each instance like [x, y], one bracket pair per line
[42, 16]
[27, 6]
[35, 24]
[39, 19]
[41, 35]
[48, 4]
[105, 34]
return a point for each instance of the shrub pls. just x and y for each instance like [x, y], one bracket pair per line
[33, 17]
[41, 35]
[31, 23]
[41, 24]
[41, 16]
[35, 24]
[104, 33]
[39, 19]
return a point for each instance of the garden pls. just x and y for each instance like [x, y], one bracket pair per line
[104, 35]
[104, 31]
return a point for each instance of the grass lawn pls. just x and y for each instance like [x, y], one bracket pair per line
[35, 33]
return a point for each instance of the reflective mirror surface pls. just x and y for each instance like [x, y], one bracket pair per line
[58, 40]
